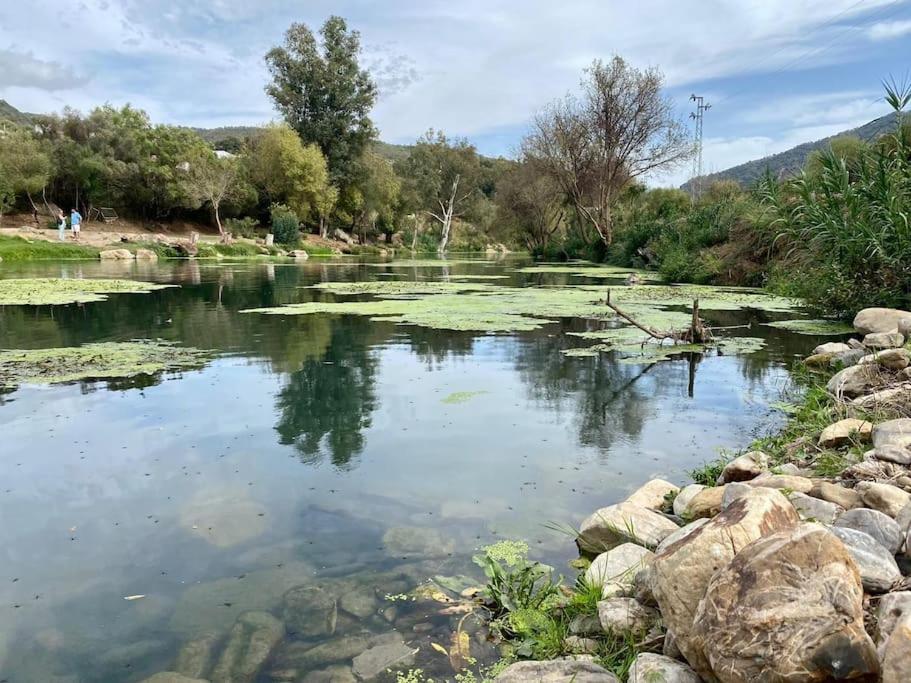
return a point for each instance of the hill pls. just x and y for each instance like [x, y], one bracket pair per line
[9, 113]
[792, 160]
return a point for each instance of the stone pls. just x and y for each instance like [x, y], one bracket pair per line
[734, 491]
[893, 608]
[585, 646]
[791, 482]
[421, 542]
[904, 326]
[171, 677]
[298, 254]
[844, 432]
[814, 509]
[878, 570]
[669, 648]
[897, 397]
[881, 527]
[883, 340]
[845, 359]
[585, 625]
[556, 671]
[297, 657]
[871, 320]
[618, 565]
[681, 570]
[625, 615]
[146, 255]
[897, 653]
[831, 347]
[337, 673]
[706, 503]
[310, 611]
[853, 381]
[886, 498]
[196, 656]
[642, 586]
[375, 660]
[873, 470]
[788, 607]
[856, 344]
[819, 360]
[743, 467]
[681, 533]
[891, 359]
[893, 454]
[684, 497]
[116, 255]
[621, 523]
[845, 497]
[250, 642]
[361, 601]
[653, 495]
[789, 469]
[223, 518]
[893, 433]
[652, 668]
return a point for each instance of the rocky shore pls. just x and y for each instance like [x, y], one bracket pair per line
[774, 573]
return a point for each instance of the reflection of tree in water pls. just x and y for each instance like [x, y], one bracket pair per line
[328, 402]
[435, 347]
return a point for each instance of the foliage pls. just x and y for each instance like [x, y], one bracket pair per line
[247, 227]
[25, 167]
[707, 474]
[515, 583]
[212, 181]
[285, 224]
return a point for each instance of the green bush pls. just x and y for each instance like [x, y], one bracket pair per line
[285, 225]
[244, 227]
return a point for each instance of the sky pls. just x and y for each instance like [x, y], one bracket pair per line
[776, 72]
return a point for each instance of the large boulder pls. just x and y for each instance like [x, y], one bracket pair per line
[897, 653]
[893, 608]
[883, 340]
[792, 482]
[879, 320]
[622, 523]
[652, 668]
[681, 570]
[878, 570]
[116, 255]
[844, 432]
[250, 642]
[893, 433]
[881, 527]
[853, 381]
[814, 509]
[616, 568]
[891, 359]
[743, 467]
[706, 503]
[556, 671]
[788, 607]
[886, 498]
[684, 497]
[653, 495]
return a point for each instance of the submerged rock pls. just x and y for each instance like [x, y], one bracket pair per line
[224, 518]
[653, 495]
[556, 671]
[196, 656]
[171, 677]
[878, 570]
[411, 541]
[623, 523]
[653, 668]
[375, 660]
[336, 673]
[297, 657]
[788, 607]
[250, 641]
[310, 611]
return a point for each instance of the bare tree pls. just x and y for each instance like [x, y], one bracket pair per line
[619, 129]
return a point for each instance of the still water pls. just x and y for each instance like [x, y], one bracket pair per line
[329, 452]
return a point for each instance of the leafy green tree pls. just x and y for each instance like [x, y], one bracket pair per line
[380, 191]
[214, 182]
[531, 204]
[324, 94]
[25, 168]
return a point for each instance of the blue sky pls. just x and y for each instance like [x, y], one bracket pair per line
[777, 72]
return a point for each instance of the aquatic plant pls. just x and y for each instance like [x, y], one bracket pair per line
[461, 396]
[54, 291]
[513, 581]
[814, 327]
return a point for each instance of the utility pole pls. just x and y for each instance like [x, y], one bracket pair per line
[701, 107]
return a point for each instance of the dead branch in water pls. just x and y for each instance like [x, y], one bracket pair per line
[697, 333]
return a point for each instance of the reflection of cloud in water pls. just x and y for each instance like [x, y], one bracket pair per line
[224, 518]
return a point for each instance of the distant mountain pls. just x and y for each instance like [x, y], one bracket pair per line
[9, 113]
[791, 161]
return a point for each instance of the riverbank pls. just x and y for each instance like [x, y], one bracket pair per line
[787, 562]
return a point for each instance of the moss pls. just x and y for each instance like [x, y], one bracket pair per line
[106, 360]
[13, 249]
[814, 327]
[51, 291]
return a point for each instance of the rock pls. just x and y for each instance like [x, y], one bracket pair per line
[897, 653]
[893, 608]
[642, 586]
[878, 570]
[896, 397]
[196, 656]
[893, 454]
[886, 498]
[819, 360]
[669, 648]
[814, 509]
[652, 668]
[146, 255]
[782, 481]
[336, 673]
[879, 320]
[845, 497]
[746, 466]
[853, 381]
[789, 469]
[681, 570]
[623, 523]
[681, 533]
[361, 601]
[653, 495]
[619, 565]
[845, 359]
[374, 661]
[844, 432]
[788, 607]
[297, 657]
[310, 611]
[904, 327]
[585, 646]
[893, 433]
[250, 643]
[881, 527]
[684, 497]
[298, 254]
[891, 359]
[116, 255]
[223, 517]
[556, 671]
[706, 503]
[856, 344]
[883, 340]
[585, 625]
[734, 491]
[625, 615]
[171, 677]
[831, 347]
[421, 542]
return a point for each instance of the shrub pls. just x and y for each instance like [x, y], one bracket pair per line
[243, 227]
[285, 225]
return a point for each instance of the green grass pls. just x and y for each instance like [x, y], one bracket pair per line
[14, 249]
[707, 474]
[314, 250]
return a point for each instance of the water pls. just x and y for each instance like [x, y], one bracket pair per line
[289, 458]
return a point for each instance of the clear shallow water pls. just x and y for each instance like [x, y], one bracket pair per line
[289, 458]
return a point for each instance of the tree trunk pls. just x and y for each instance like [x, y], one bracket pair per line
[323, 227]
[414, 235]
[221, 230]
[444, 236]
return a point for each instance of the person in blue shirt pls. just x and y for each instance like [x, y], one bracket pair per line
[75, 223]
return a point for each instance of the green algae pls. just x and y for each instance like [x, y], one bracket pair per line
[53, 291]
[105, 360]
[394, 288]
[740, 345]
[478, 277]
[813, 327]
[607, 272]
[461, 397]
[427, 263]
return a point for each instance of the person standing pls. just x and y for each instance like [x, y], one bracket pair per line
[61, 226]
[75, 223]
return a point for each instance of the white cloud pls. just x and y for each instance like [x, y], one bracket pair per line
[22, 69]
[887, 30]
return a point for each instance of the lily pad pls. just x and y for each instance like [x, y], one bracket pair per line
[107, 360]
[813, 327]
[51, 291]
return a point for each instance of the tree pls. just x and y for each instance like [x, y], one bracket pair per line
[323, 94]
[215, 181]
[531, 202]
[24, 166]
[621, 128]
[442, 179]
[380, 191]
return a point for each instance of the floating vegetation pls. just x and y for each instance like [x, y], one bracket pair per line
[478, 277]
[815, 327]
[592, 271]
[426, 263]
[393, 288]
[106, 360]
[461, 396]
[740, 345]
[52, 291]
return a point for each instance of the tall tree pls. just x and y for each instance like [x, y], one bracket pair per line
[621, 127]
[216, 181]
[324, 94]
[24, 166]
[531, 203]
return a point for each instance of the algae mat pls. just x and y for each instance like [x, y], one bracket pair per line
[52, 291]
[106, 360]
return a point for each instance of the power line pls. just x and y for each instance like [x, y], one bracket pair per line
[701, 107]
